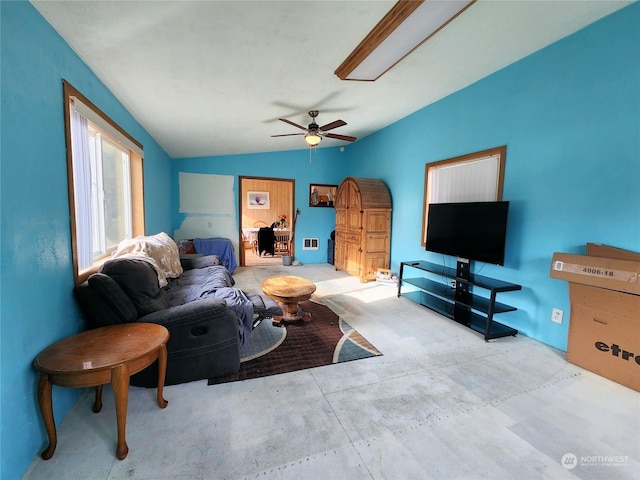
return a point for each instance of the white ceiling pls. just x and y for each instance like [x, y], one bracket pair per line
[213, 77]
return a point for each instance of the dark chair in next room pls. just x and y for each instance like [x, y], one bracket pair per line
[266, 241]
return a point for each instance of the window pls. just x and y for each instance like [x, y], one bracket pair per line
[476, 177]
[110, 192]
[104, 167]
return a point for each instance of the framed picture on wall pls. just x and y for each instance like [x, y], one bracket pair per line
[258, 201]
[322, 195]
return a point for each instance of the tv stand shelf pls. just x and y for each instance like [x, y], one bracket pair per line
[474, 311]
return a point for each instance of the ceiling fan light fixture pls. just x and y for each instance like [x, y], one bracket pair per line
[312, 138]
[314, 132]
[403, 29]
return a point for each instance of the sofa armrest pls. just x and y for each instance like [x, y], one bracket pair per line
[203, 342]
[104, 303]
[200, 262]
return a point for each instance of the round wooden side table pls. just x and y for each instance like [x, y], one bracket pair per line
[288, 291]
[96, 357]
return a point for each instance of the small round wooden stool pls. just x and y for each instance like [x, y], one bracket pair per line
[288, 291]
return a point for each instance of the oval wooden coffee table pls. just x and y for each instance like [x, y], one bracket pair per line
[95, 357]
[288, 291]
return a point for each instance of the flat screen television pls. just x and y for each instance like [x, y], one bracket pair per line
[473, 231]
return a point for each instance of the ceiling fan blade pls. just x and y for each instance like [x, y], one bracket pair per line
[288, 134]
[291, 123]
[346, 138]
[332, 125]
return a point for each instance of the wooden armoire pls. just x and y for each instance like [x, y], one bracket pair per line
[363, 227]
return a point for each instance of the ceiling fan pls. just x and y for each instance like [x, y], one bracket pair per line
[315, 133]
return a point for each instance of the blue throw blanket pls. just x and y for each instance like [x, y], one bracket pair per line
[222, 247]
[213, 281]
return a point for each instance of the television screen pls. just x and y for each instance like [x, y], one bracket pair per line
[474, 230]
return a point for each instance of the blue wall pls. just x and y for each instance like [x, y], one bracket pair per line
[327, 165]
[37, 306]
[568, 114]
[570, 117]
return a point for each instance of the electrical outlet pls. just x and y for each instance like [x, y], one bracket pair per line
[556, 315]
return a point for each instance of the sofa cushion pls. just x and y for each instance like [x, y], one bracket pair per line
[139, 280]
[185, 247]
[114, 297]
[191, 263]
[197, 284]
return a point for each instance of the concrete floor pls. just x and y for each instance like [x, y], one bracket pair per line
[251, 259]
[440, 403]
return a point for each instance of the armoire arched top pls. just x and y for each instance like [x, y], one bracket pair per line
[372, 192]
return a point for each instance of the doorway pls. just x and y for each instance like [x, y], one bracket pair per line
[263, 201]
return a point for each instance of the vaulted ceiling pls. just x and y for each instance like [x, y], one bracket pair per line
[213, 77]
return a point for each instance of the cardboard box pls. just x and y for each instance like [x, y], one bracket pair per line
[385, 277]
[609, 273]
[383, 273]
[604, 333]
[607, 251]
[604, 328]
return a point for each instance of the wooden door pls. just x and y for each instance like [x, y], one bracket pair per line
[340, 258]
[353, 258]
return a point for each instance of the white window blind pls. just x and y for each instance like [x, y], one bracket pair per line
[471, 181]
[82, 187]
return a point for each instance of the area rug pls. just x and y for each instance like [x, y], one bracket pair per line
[327, 339]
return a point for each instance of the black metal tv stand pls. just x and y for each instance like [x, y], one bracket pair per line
[447, 291]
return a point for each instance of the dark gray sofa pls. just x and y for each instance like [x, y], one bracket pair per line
[206, 317]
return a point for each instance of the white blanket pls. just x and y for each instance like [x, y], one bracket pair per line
[159, 250]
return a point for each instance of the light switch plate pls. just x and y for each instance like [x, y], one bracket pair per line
[556, 315]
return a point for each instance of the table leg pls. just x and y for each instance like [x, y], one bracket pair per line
[291, 313]
[120, 382]
[97, 405]
[162, 370]
[46, 409]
